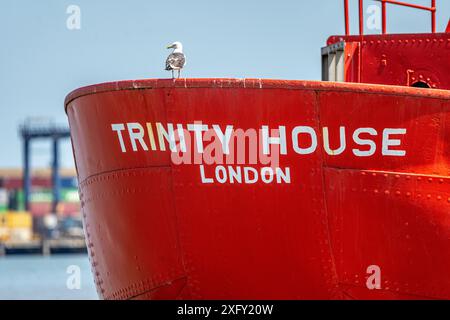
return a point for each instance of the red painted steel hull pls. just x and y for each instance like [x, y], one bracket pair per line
[155, 231]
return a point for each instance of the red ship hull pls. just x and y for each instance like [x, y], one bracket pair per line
[161, 230]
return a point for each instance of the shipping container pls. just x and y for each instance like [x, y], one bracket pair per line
[16, 220]
[3, 200]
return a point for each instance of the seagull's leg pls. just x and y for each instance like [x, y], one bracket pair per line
[172, 75]
[179, 73]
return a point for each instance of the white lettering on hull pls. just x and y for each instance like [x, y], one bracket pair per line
[237, 156]
[177, 141]
[246, 175]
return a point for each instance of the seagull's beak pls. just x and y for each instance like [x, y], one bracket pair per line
[170, 46]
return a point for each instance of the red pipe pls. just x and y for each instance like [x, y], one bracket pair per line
[433, 16]
[416, 6]
[383, 12]
[361, 17]
[347, 24]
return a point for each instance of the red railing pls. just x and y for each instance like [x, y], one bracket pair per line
[384, 3]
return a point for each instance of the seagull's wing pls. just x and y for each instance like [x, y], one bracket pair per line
[175, 61]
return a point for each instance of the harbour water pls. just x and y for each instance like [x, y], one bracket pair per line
[46, 277]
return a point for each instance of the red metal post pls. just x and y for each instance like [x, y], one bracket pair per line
[361, 18]
[433, 16]
[383, 13]
[347, 23]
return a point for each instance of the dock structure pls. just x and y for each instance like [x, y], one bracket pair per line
[32, 131]
[21, 247]
[64, 245]
[44, 247]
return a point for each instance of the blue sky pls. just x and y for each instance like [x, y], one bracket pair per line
[41, 60]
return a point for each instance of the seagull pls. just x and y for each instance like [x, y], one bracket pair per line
[176, 60]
